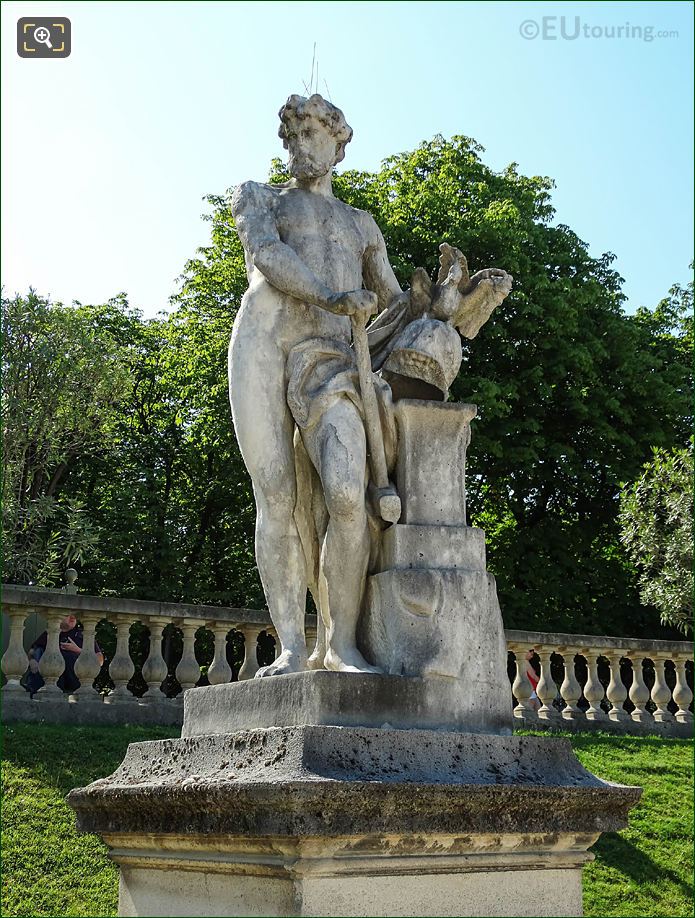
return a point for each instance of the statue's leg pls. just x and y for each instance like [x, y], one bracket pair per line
[264, 430]
[338, 449]
[318, 654]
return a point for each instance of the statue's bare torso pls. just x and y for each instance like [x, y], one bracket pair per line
[330, 238]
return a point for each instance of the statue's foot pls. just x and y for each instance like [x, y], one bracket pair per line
[287, 662]
[348, 661]
[317, 660]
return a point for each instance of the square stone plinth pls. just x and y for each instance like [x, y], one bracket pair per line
[413, 547]
[340, 700]
[322, 878]
[325, 820]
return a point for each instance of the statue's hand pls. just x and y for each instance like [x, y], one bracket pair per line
[487, 289]
[362, 303]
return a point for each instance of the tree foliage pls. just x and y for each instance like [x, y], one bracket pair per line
[573, 394]
[656, 518]
[177, 520]
[63, 384]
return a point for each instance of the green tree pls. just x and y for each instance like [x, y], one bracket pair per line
[63, 383]
[171, 499]
[572, 393]
[656, 519]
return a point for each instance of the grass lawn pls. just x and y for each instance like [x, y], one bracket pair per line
[48, 869]
[647, 869]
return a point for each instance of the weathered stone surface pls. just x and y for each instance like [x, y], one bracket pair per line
[432, 548]
[439, 622]
[336, 699]
[338, 817]
[430, 470]
[312, 420]
[291, 891]
[140, 609]
[88, 711]
[318, 781]
[325, 820]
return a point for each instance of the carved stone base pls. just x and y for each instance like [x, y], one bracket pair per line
[356, 876]
[331, 699]
[351, 821]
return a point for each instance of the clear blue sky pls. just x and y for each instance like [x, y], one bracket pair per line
[108, 153]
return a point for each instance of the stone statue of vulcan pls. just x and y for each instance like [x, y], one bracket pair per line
[318, 271]
[409, 779]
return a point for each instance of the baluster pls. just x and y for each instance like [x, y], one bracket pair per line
[87, 665]
[188, 670]
[51, 664]
[682, 694]
[546, 688]
[639, 693]
[155, 670]
[70, 580]
[522, 688]
[249, 667]
[121, 668]
[661, 693]
[593, 689]
[220, 672]
[570, 689]
[616, 691]
[14, 660]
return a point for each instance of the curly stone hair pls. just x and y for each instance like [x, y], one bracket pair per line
[298, 108]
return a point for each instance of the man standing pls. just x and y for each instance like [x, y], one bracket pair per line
[71, 639]
[308, 256]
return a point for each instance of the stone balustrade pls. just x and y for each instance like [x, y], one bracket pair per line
[157, 696]
[590, 682]
[585, 682]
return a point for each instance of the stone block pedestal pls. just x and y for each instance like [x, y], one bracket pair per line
[301, 888]
[431, 608]
[348, 794]
[347, 820]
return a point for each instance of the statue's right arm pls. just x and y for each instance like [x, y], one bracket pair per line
[253, 212]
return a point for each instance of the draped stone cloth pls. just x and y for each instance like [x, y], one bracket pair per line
[322, 371]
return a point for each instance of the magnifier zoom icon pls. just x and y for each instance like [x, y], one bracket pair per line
[43, 36]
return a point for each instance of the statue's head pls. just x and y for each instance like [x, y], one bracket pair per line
[315, 132]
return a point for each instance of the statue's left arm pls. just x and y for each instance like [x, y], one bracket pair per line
[394, 304]
[377, 273]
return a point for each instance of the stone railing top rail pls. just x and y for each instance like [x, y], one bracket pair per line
[596, 642]
[38, 599]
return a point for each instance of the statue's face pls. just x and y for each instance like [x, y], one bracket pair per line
[312, 149]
